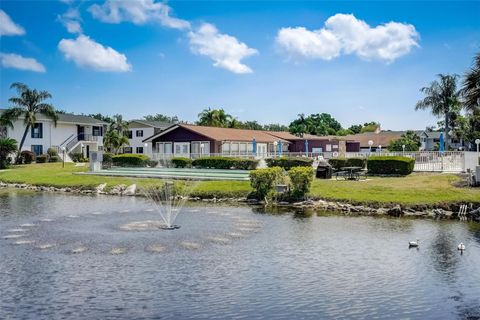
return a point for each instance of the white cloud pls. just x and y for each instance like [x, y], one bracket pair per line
[343, 33]
[71, 20]
[226, 51]
[12, 60]
[8, 27]
[138, 12]
[86, 52]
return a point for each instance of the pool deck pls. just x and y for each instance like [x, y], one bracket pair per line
[174, 173]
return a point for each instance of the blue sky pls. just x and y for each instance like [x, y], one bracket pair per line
[265, 61]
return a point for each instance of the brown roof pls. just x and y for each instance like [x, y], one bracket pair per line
[288, 136]
[379, 139]
[230, 134]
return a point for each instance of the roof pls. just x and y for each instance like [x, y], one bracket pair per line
[70, 118]
[154, 124]
[224, 134]
[433, 134]
[291, 137]
[383, 138]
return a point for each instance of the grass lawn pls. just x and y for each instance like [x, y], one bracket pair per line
[415, 189]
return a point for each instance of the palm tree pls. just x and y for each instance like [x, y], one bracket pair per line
[471, 86]
[442, 98]
[214, 118]
[28, 104]
[114, 141]
[7, 147]
[119, 124]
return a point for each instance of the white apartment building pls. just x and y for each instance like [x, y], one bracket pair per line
[139, 130]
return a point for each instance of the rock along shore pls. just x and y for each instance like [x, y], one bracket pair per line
[443, 211]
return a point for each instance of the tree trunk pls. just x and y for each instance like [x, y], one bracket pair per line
[22, 142]
[447, 129]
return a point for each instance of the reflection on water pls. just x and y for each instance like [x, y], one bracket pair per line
[81, 257]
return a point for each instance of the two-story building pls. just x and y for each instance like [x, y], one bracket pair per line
[138, 130]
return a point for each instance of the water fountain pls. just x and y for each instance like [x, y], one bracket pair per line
[169, 199]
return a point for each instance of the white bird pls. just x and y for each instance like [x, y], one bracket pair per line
[413, 243]
[461, 246]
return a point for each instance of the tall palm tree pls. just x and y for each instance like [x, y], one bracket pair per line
[7, 147]
[442, 97]
[114, 141]
[119, 124]
[28, 104]
[214, 118]
[471, 86]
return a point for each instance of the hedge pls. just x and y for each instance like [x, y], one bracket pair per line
[390, 165]
[263, 180]
[54, 159]
[301, 179]
[27, 157]
[338, 163]
[130, 160]
[181, 162]
[42, 158]
[77, 157]
[289, 162]
[225, 163]
[52, 152]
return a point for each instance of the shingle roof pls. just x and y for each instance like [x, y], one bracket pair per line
[291, 137]
[383, 138]
[154, 124]
[71, 118]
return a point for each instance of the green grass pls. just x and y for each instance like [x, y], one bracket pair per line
[415, 189]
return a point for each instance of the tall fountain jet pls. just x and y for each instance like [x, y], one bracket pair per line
[169, 199]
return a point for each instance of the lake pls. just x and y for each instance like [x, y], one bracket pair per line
[101, 257]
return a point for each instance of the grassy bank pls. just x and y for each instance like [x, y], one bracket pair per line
[415, 189]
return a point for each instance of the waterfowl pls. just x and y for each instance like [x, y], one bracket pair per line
[412, 244]
[461, 246]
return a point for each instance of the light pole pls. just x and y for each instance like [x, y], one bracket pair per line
[146, 147]
[63, 151]
[370, 144]
[275, 144]
[403, 149]
[380, 148]
[477, 142]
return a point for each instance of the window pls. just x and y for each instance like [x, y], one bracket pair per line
[164, 147]
[128, 134]
[37, 131]
[328, 147]
[200, 147]
[139, 133]
[97, 131]
[127, 149]
[139, 149]
[37, 149]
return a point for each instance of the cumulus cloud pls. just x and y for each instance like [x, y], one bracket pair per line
[15, 61]
[86, 52]
[344, 33]
[138, 12]
[226, 51]
[71, 20]
[8, 27]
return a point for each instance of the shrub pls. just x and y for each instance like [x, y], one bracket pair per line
[42, 158]
[130, 160]
[52, 152]
[77, 157]
[27, 157]
[263, 180]
[301, 179]
[152, 163]
[225, 163]
[338, 163]
[54, 159]
[180, 162]
[289, 162]
[107, 157]
[390, 165]
[7, 147]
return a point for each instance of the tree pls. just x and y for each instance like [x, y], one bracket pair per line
[409, 139]
[114, 141]
[344, 132]
[101, 117]
[471, 86]
[119, 125]
[28, 104]
[356, 128]
[441, 97]
[275, 127]
[7, 147]
[370, 127]
[252, 125]
[161, 118]
[318, 124]
[214, 118]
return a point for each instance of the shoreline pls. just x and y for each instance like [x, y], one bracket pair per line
[447, 210]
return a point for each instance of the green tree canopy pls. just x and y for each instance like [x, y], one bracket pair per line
[318, 124]
[161, 118]
[410, 139]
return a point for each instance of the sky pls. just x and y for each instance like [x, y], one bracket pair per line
[266, 61]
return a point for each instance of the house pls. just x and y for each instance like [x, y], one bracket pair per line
[74, 133]
[185, 140]
[138, 130]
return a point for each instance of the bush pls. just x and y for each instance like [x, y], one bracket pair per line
[338, 163]
[390, 165]
[52, 152]
[42, 158]
[77, 157]
[27, 157]
[301, 179]
[54, 159]
[180, 162]
[130, 160]
[263, 180]
[152, 163]
[107, 157]
[289, 162]
[225, 163]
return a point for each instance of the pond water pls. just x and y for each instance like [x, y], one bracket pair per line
[82, 257]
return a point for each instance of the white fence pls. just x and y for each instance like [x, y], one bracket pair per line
[427, 161]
